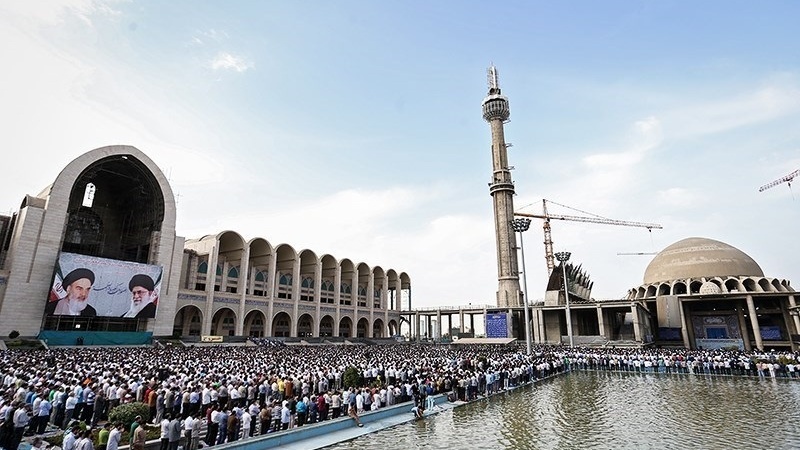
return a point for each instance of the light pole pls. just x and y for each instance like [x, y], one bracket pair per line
[563, 257]
[520, 226]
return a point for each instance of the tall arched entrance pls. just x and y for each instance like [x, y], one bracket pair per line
[305, 326]
[377, 329]
[345, 327]
[224, 323]
[254, 324]
[361, 328]
[326, 326]
[282, 325]
[188, 321]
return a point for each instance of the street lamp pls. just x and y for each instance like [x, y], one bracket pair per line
[563, 257]
[521, 225]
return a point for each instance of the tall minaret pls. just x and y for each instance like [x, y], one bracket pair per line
[496, 112]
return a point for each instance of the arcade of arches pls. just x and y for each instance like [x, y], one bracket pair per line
[189, 319]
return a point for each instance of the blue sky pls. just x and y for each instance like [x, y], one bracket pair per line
[354, 128]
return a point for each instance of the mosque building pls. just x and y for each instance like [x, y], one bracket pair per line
[95, 256]
[696, 293]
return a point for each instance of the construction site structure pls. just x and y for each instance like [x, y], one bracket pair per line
[588, 218]
[784, 179]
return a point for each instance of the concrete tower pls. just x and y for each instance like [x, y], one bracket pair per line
[496, 112]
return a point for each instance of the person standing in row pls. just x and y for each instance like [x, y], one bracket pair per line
[115, 436]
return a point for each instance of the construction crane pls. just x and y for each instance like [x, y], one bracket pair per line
[785, 179]
[590, 218]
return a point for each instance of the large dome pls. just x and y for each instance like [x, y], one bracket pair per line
[698, 258]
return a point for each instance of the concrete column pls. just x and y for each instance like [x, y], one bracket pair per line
[751, 308]
[637, 324]
[296, 282]
[223, 282]
[542, 329]
[272, 273]
[211, 277]
[241, 289]
[684, 326]
[251, 277]
[795, 319]
[354, 300]
[385, 306]
[461, 321]
[510, 323]
[601, 322]
[788, 324]
[317, 291]
[743, 326]
[370, 303]
[419, 331]
[439, 323]
[337, 296]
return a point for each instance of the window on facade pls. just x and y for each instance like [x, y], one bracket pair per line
[202, 267]
[362, 296]
[327, 292]
[344, 298]
[307, 289]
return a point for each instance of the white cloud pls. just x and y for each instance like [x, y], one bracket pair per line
[777, 97]
[211, 35]
[52, 12]
[227, 61]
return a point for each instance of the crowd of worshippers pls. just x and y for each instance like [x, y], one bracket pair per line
[763, 364]
[241, 391]
[238, 392]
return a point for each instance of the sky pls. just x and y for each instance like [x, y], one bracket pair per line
[354, 128]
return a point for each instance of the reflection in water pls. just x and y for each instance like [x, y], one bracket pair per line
[588, 410]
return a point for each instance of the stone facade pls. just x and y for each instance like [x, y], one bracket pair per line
[38, 237]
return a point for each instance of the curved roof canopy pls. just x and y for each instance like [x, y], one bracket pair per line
[697, 257]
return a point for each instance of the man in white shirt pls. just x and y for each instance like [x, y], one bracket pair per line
[164, 431]
[114, 437]
[69, 439]
[22, 416]
[246, 420]
[69, 410]
[187, 429]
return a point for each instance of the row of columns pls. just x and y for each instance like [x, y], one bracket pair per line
[539, 334]
[416, 325]
[241, 290]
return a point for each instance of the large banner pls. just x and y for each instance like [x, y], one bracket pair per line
[91, 286]
[496, 325]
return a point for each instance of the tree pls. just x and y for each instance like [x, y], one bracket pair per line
[352, 378]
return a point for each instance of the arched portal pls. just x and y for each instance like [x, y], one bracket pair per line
[188, 321]
[305, 326]
[377, 329]
[281, 325]
[345, 327]
[361, 328]
[254, 324]
[116, 207]
[326, 326]
[224, 322]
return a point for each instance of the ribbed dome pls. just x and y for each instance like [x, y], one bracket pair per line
[697, 258]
